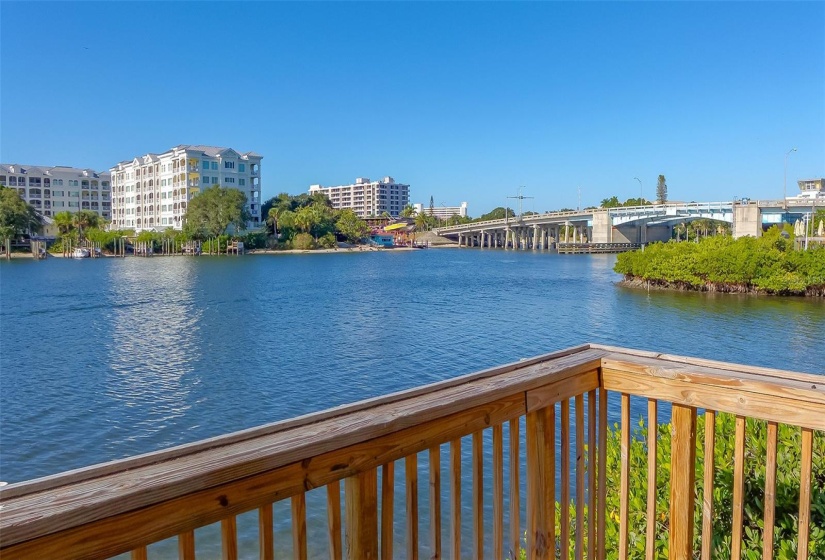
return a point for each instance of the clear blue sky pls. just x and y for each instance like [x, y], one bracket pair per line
[464, 101]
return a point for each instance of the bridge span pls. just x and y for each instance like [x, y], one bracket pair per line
[624, 225]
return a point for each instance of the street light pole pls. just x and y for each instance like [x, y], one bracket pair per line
[785, 177]
[641, 197]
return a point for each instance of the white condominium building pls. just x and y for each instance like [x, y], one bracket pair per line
[442, 212]
[368, 198]
[51, 190]
[152, 191]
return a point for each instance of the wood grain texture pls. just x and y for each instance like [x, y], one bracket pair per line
[707, 493]
[770, 491]
[334, 520]
[624, 477]
[435, 502]
[139, 554]
[186, 546]
[266, 537]
[299, 527]
[805, 494]
[601, 500]
[564, 510]
[478, 495]
[455, 499]
[537, 539]
[562, 390]
[579, 402]
[652, 440]
[591, 472]
[738, 488]
[498, 492]
[411, 474]
[229, 538]
[550, 478]
[682, 482]
[387, 509]
[515, 503]
[361, 515]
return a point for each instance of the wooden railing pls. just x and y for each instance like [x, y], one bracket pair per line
[549, 413]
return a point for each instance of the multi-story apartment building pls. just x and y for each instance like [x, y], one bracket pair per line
[368, 198]
[153, 191]
[442, 212]
[51, 190]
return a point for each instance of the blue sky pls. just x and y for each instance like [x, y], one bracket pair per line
[463, 101]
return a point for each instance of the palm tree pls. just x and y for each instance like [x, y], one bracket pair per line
[85, 219]
[64, 222]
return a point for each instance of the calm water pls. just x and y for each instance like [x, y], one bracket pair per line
[102, 359]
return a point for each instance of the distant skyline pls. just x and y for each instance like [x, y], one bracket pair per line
[463, 101]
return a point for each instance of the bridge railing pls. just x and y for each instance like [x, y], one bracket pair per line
[456, 457]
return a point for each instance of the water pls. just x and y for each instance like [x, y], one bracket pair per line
[107, 358]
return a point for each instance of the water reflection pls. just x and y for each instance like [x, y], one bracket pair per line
[153, 339]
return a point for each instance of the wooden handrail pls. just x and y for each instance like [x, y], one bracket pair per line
[105, 510]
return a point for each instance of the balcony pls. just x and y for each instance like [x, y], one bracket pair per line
[571, 508]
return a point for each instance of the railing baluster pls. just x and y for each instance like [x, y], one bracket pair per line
[591, 475]
[805, 493]
[361, 518]
[266, 539]
[550, 477]
[387, 509]
[652, 430]
[515, 506]
[682, 481]
[770, 492]
[579, 477]
[333, 519]
[738, 488]
[624, 485]
[537, 545]
[139, 553]
[411, 473]
[435, 503]
[478, 495]
[455, 499]
[498, 491]
[707, 493]
[186, 546]
[229, 539]
[601, 505]
[299, 527]
[565, 479]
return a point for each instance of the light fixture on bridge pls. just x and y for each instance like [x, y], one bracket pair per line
[785, 176]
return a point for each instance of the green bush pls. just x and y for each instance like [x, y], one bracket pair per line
[768, 264]
[303, 242]
[786, 527]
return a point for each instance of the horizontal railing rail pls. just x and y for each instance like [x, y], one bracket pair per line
[545, 418]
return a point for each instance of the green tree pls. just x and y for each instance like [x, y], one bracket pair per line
[498, 213]
[85, 219]
[408, 211]
[64, 222]
[16, 216]
[351, 226]
[213, 210]
[661, 190]
[612, 202]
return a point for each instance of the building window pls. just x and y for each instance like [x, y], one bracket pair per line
[242, 167]
[229, 179]
[13, 181]
[229, 165]
[241, 182]
[73, 204]
[74, 193]
[215, 165]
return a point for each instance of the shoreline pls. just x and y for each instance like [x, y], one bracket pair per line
[736, 289]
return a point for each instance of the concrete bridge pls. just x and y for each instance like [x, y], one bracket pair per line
[624, 225]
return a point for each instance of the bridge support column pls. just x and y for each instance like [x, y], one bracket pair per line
[747, 220]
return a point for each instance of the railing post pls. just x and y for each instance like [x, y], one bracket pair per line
[682, 481]
[361, 496]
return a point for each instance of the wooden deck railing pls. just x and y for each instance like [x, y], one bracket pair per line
[551, 415]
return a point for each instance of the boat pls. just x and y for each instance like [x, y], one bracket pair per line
[81, 253]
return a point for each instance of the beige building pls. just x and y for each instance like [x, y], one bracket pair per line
[152, 191]
[51, 190]
[368, 198]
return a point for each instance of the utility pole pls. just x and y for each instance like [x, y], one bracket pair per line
[579, 207]
[520, 197]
